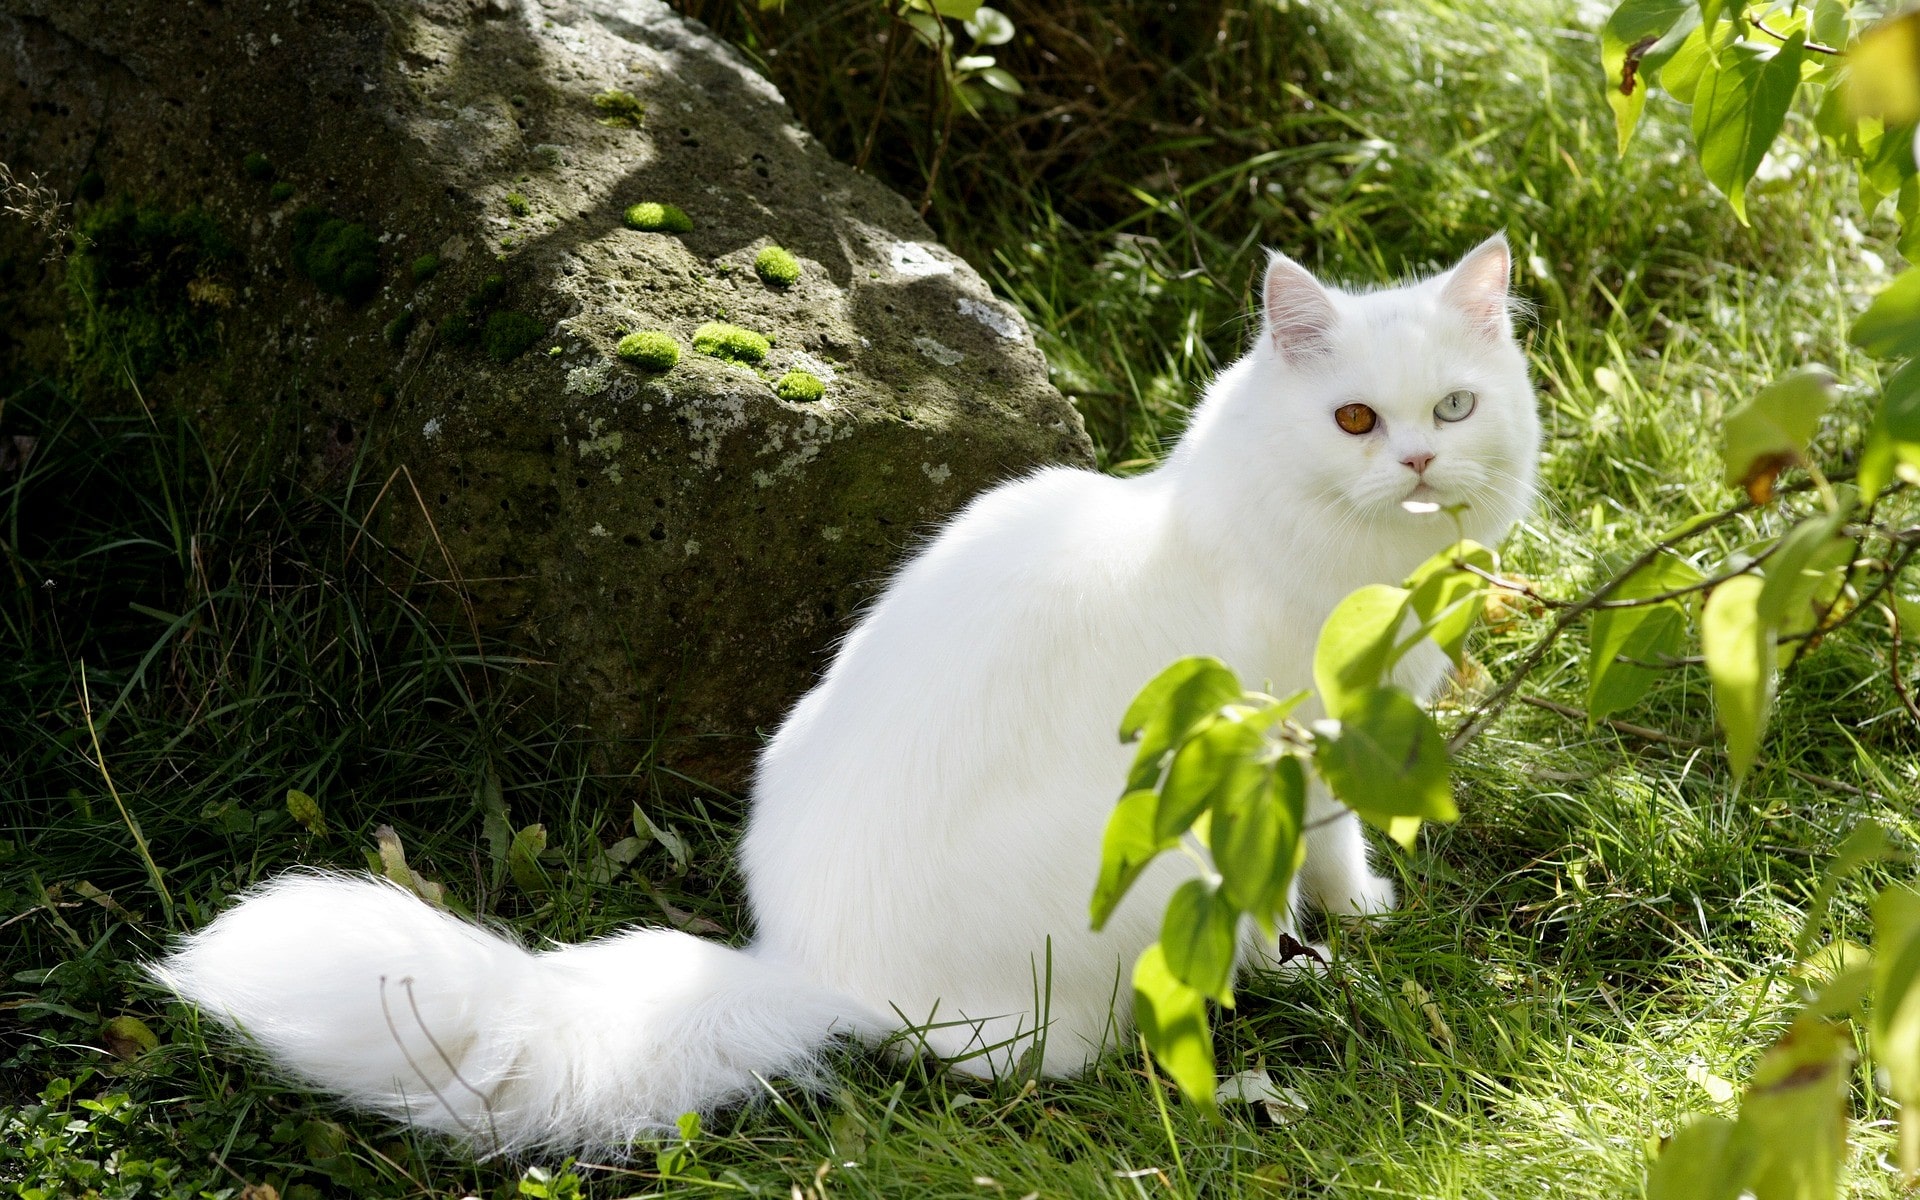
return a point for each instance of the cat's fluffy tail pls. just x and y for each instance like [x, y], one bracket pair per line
[363, 990]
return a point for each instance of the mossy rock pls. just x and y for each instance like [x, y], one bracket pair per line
[145, 288]
[680, 549]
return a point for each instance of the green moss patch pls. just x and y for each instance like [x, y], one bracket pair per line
[650, 348]
[650, 217]
[424, 267]
[257, 167]
[518, 204]
[508, 335]
[397, 329]
[341, 257]
[730, 342]
[800, 387]
[280, 192]
[618, 109]
[145, 288]
[777, 266]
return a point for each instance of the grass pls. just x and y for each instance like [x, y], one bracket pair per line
[1599, 943]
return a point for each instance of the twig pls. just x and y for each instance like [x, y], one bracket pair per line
[1494, 704]
[1816, 47]
[1668, 739]
[1893, 664]
[895, 30]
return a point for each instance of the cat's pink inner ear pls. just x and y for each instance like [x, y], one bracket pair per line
[1478, 287]
[1299, 313]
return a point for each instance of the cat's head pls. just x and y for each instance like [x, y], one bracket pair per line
[1393, 403]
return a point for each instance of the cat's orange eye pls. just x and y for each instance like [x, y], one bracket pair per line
[1355, 418]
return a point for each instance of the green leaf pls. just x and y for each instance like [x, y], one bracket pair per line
[1771, 431]
[1220, 761]
[1896, 1010]
[1738, 107]
[1895, 434]
[523, 859]
[1446, 598]
[1708, 1158]
[1795, 1112]
[991, 27]
[1171, 704]
[1890, 328]
[1740, 662]
[305, 811]
[1804, 573]
[1385, 759]
[1644, 634]
[1198, 938]
[1126, 848]
[1633, 30]
[1356, 644]
[1257, 844]
[128, 1037]
[1172, 1017]
[959, 10]
[1867, 842]
[1681, 73]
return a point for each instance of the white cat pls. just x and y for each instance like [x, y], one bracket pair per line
[925, 827]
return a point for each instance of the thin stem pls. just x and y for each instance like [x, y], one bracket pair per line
[1816, 47]
[895, 30]
[1493, 705]
[133, 826]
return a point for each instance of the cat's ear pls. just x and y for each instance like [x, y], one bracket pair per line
[1477, 286]
[1297, 314]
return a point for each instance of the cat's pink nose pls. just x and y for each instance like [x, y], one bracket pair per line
[1418, 460]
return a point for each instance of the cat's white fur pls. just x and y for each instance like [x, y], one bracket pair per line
[925, 826]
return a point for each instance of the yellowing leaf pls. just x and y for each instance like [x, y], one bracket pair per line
[305, 811]
[1740, 662]
[523, 859]
[1771, 431]
[1883, 79]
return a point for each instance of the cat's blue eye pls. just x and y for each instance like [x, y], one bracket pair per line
[1457, 406]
